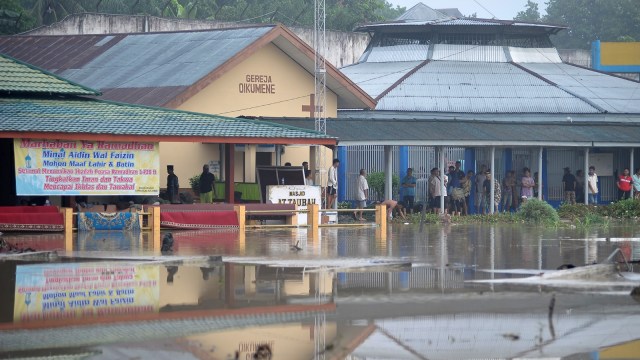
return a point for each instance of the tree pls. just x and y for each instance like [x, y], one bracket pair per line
[530, 14]
[591, 20]
[14, 18]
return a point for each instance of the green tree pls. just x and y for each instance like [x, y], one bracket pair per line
[530, 13]
[590, 20]
[14, 18]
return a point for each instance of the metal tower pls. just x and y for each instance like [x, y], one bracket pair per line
[319, 104]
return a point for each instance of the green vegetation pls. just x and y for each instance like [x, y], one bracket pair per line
[194, 181]
[21, 15]
[376, 182]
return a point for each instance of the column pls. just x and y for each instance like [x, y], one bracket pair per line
[631, 169]
[442, 175]
[586, 176]
[314, 166]
[492, 201]
[470, 164]
[540, 173]
[388, 172]
[278, 155]
[229, 169]
[250, 163]
[342, 174]
[403, 152]
[222, 149]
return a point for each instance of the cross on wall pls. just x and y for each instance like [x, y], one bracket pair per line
[312, 108]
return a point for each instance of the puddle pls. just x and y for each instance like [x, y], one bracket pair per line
[452, 292]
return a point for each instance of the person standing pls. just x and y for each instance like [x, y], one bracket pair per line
[173, 187]
[624, 185]
[592, 182]
[569, 186]
[363, 194]
[508, 183]
[480, 177]
[580, 187]
[466, 188]
[528, 184]
[409, 189]
[332, 184]
[207, 186]
[636, 184]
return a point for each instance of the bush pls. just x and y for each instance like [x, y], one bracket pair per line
[575, 212]
[376, 183]
[624, 209]
[538, 212]
[194, 181]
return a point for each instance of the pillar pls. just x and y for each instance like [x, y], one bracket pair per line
[313, 219]
[229, 169]
[492, 201]
[388, 172]
[442, 175]
[381, 221]
[586, 176]
[314, 166]
[154, 225]
[242, 216]
[342, 174]
[67, 218]
[279, 155]
[541, 178]
[221, 150]
[250, 162]
[631, 170]
[403, 161]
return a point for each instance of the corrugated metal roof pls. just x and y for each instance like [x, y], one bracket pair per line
[451, 52]
[534, 55]
[169, 59]
[414, 52]
[87, 116]
[473, 132]
[421, 11]
[611, 93]
[375, 78]
[17, 77]
[479, 87]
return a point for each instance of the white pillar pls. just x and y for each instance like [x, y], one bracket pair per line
[278, 155]
[540, 174]
[492, 201]
[388, 173]
[586, 176]
[221, 151]
[631, 170]
[442, 175]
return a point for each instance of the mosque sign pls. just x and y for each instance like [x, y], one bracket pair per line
[69, 167]
[300, 195]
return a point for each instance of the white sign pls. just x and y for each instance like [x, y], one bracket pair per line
[301, 195]
[603, 163]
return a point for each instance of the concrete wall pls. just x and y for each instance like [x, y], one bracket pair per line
[344, 48]
[576, 56]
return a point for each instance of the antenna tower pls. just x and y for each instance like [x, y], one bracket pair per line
[320, 81]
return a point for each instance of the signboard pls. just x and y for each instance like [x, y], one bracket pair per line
[62, 291]
[301, 195]
[60, 167]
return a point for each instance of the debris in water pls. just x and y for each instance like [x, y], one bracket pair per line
[167, 243]
[296, 247]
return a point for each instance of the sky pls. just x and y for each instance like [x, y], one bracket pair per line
[502, 9]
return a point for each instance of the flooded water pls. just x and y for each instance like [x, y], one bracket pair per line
[449, 292]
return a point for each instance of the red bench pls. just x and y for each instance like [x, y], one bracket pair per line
[31, 218]
[206, 216]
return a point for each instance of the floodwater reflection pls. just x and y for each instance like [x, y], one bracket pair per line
[344, 294]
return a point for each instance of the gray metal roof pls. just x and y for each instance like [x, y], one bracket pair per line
[421, 11]
[435, 132]
[410, 52]
[479, 87]
[610, 93]
[374, 78]
[454, 52]
[168, 59]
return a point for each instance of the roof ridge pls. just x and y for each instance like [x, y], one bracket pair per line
[531, 72]
[401, 79]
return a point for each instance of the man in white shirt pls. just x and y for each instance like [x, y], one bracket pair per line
[592, 182]
[363, 194]
[332, 184]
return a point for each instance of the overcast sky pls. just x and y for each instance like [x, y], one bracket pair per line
[502, 9]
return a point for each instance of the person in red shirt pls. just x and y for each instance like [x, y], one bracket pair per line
[624, 185]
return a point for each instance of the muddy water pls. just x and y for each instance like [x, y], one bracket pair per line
[449, 292]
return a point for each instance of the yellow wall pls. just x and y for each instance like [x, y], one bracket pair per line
[187, 159]
[188, 287]
[289, 86]
[620, 53]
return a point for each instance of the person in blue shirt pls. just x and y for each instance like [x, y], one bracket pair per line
[409, 189]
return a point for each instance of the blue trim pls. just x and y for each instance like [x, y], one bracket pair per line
[342, 173]
[508, 160]
[403, 152]
[545, 188]
[470, 164]
[596, 62]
